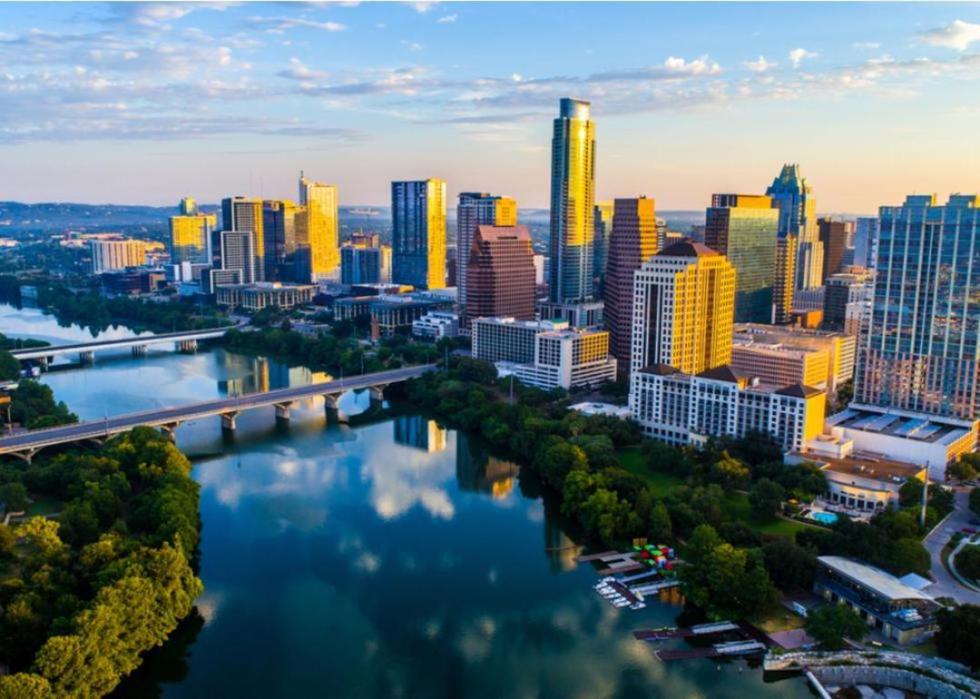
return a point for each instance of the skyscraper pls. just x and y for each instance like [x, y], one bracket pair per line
[602, 220]
[322, 225]
[632, 242]
[833, 237]
[785, 280]
[922, 349]
[744, 228]
[187, 206]
[477, 209]
[238, 254]
[866, 241]
[418, 218]
[684, 304]
[572, 203]
[500, 273]
[190, 234]
[242, 214]
[798, 216]
[279, 226]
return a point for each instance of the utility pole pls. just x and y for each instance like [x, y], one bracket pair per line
[925, 499]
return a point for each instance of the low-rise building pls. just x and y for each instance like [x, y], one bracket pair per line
[566, 358]
[508, 339]
[436, 325]
[778, 364]
[255, 297]
[685, 409]
[896, 610]
[840, 347]
[587, 314]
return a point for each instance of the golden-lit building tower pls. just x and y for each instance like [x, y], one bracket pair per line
[683, 309]
[602, 222]
[187, 206]
[321, 226]
[632, 242]
[785, 281]
[244, 215]
[572, 203]
[418, 235]
[190, 234]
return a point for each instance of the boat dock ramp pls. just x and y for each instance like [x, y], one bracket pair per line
[749, 643]
[718, 650]
[618, 595]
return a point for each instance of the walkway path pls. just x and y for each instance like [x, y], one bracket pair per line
[946, 584]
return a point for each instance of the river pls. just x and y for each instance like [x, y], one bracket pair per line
[394, 559]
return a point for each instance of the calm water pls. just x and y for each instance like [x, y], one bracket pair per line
[396, 559]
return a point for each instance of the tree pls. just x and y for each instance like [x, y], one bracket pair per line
[968, 562]
[24, 685]
[13, 496]
[959, 634]
[975, 501]
[831, 624]
[765, 497]
[790, 565]
[558, 459]
[726, 582]
[9, 366]
[964, 468]
[730, 473]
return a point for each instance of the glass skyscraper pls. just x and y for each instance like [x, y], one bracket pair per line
[572, 203]
[418, 218]
[798, 217]
[320, 225]
[921, 350]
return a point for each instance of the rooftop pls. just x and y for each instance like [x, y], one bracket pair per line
[873, 467]
[917, 426]
[878, 581]
[687, 248]
[799, 390]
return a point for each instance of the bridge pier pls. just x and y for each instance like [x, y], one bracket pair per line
[139, 350]
[331, 405]
[44, 361]
[282, 411]
[229, 421]
[26, 454]
[170, 430]
[187, 346]
[86, 357]
[377, 394]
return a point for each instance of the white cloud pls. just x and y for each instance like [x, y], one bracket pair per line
[796, 56]
[278, 25]
[297, 70]
[447, 19]
[699, 66]
[422, 7]
[866, 45]
[957, 35]
[411, 45]
[761, 65]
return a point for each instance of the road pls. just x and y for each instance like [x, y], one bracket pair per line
[54, 350]
[946, 585]
[96, 429]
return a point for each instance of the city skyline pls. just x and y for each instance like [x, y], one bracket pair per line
[113, 101]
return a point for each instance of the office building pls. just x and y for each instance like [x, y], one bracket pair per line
[436, 325]
[744, 228]
[279, 229]
[477, 209]
[686, 409]
[784, 283]
[500, 274]
[847, 299]
[840, 348]
[190, 234]
[111, 254]
[632, 242]
[683, 305]
[255, 297]
[866, 242]
[365, 265]
[508, 339]
[922, 351]
[320, 227]
[360, 239]
[834, 236]
[572, 203]
[418, 217]
[216, 277]
[602, 221]
[780, 365]
[390, 314]
[244, 215]
[793, 197]
[187, 207]
[238, 253]
[581, 314]
[540, 262]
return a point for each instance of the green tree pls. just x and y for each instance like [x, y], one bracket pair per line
[765, 497]
[558, 460]
[14, 496]
[790, 566]
[832, 623]
[968, 562]
[725, 581]
[964, 468]
[958, 637]
[24, 685]
[730, 473]
[9, 366]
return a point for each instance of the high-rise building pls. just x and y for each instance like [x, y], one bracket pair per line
[922, 350]
[279, 227]
[602, 221]
[322, 226]
[845, 296]
[632, 242]
[238, 253]
[784, 283]
[360, 264]
[683, 309]
[241, 214]
[572, 203]
[418, 217]
[833, 236]
[112, 254]
[500, 274]
[190, 234]
[793, 197]
[187, 206]
[744, 228]
[477, 209]
[866, 241]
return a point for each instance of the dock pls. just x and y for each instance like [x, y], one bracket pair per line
[718, 650]
[618, 594]
[699, 630]
[654, 587]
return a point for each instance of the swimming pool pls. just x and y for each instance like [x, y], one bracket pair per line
[827, 518]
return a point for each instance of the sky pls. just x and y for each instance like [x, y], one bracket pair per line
[143, 103]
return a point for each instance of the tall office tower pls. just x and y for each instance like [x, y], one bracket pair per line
[238, 253]
[500, 274]
[360, 264]
[360, 239]
[633, 242]
[745, 228]
[190, 234]
[187, 206]
[279, 226]
[846, 297]
[602, 220]
[572, 203]
[785, 282]
[477, 209]
[683, 309]
[922, 350]
[866, 242]
[109, 255]
[322, 228]
[798, 216]
[418, 218]
[833, 236]
[243, 214]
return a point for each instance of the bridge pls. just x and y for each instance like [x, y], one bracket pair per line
[26, 444]
[185, 341]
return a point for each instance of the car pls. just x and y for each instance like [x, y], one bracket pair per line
[969, 530]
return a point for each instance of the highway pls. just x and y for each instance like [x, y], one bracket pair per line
[141, 341]
[26, 444]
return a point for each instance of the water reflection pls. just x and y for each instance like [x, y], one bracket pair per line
[419, 432]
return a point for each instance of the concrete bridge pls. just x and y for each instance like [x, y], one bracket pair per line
[184, 341]
[26, 444]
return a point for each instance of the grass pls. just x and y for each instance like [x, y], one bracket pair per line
[740, 509]
[777, 618]
[631, 459]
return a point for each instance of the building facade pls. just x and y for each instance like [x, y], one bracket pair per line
[683, 307]
[508, 339]
[255, 297]
[436, 325]
[418, 217]
[744, 228]
[566, 358]
[477, 209]
[866, 241]
[500, 274]
[834, 236]
[840, 348]
[244, 215]
[602, 218]
[190, 235]
[108, 254]
[572, 203]
[365, 265]
[238, 253]
[633, 241]
[793, 197]
[779, 365]
[784, 284]
[279, 229]
[846, 299]
[319, 223]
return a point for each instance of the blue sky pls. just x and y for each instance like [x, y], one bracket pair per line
[147, 102]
